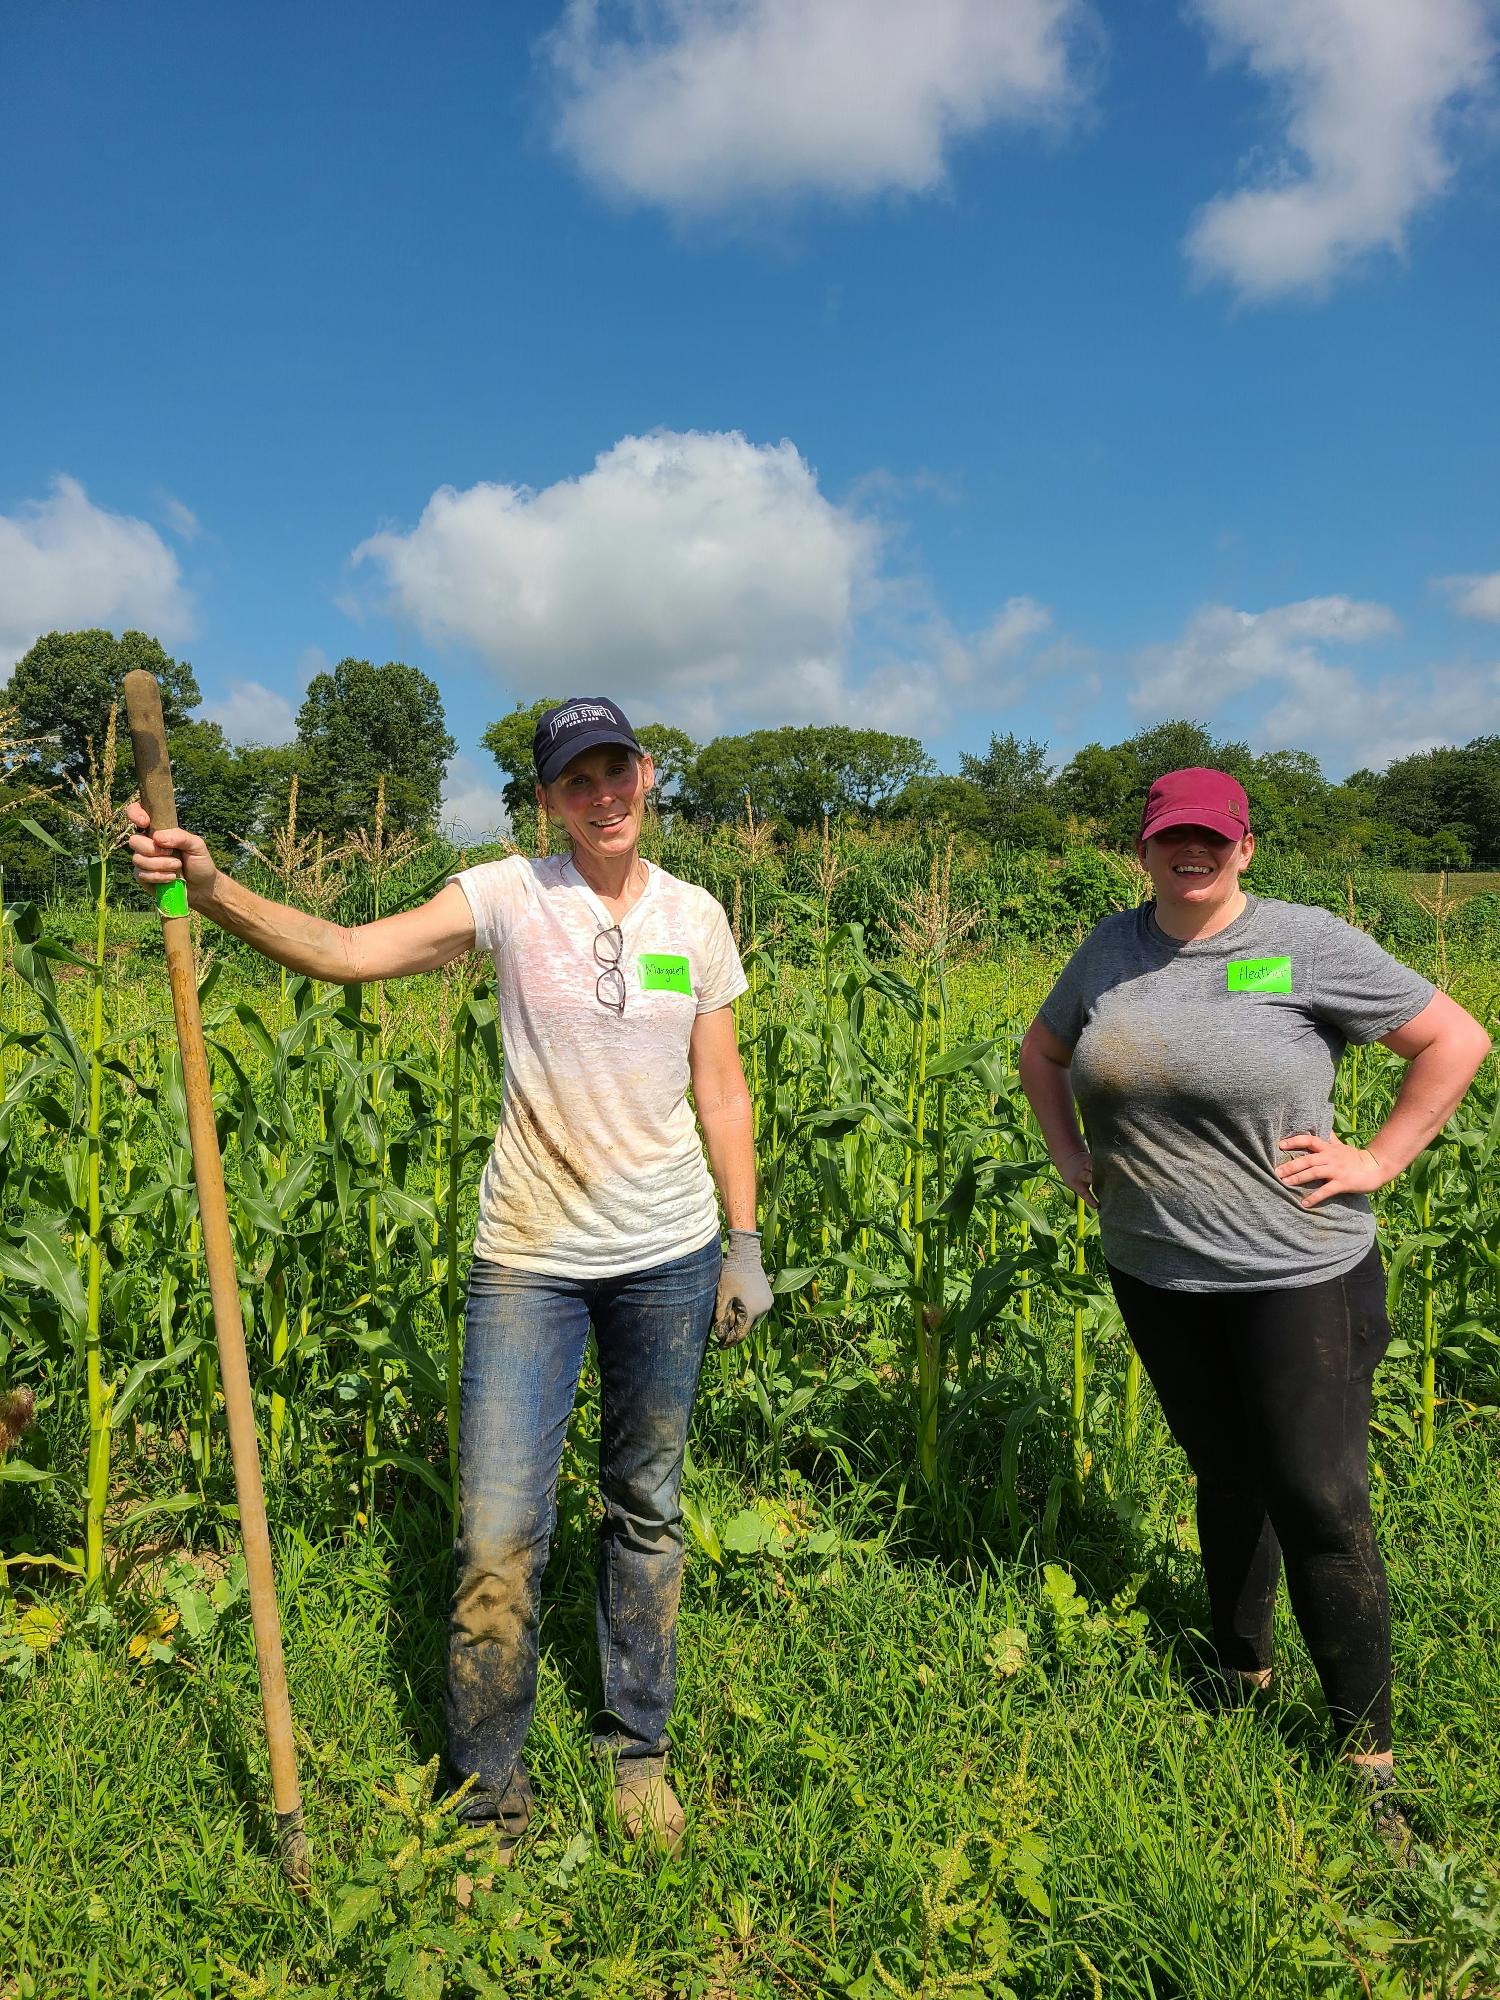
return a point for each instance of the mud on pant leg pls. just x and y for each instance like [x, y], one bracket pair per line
[651, 1329]
[1307, 1361]
[1186, 1343]
[524, 1339]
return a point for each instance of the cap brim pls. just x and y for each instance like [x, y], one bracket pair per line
[558, 760]
[1216, 822]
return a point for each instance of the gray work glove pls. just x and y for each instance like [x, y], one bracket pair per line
[744, 1290]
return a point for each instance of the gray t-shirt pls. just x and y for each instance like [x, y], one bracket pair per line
[1192, 1061]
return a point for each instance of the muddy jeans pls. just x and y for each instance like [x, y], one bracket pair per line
[523, 1350]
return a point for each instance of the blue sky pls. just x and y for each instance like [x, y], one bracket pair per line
[959, 367]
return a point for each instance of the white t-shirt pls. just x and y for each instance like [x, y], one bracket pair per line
[597, 1168]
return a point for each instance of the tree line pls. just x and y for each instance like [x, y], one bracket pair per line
[365, 729]
[361, 728]
[1436, 809]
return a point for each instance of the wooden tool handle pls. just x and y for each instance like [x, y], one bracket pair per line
[153, 768]
[143, 708]
[148, 732]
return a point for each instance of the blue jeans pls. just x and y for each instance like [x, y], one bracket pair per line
[523, 1349]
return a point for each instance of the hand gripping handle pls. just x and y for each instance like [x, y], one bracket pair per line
[148, 732]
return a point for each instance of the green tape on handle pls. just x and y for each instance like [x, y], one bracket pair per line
[171, 899]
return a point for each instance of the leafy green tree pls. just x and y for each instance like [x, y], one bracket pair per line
[1447, 848]
[1014, 777]
[797, 775]
[1038, 825]
[1179, 746]
[269, 769]
[509, 743]
[730, 766]
[957, 805]
[1101, 786]
[64, 688]
[1452, 788]
[1482, 800]
[1403, 794]
[1480, 817]
[1011, 770]
[673, 754]
[216, 787]
[361, 722]
[1289, 801]
[874, 766]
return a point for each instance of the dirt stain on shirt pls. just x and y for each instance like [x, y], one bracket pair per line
[520, 1105]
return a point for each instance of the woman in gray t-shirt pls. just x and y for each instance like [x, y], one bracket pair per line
[1199, 1037]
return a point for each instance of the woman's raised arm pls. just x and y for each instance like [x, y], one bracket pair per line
[416, 941]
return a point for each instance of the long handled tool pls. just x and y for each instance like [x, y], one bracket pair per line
[143, 706]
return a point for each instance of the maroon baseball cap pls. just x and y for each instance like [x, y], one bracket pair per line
[1197, 797]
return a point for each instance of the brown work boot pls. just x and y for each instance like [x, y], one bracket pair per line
[494, 1842]
[645, 1803]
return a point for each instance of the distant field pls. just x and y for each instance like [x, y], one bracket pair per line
[1460, 887]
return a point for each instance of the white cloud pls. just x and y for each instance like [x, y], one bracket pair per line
[66, 564]
[1362, 723]
[692, 574]
[937, 666]
[1348, 719]
[702, 580]
[1012, 629]
[706, 105]
[180, 519]
[907, 697]
[1368, 90]
[1223, 652]
[1474, 596]
[250, 713]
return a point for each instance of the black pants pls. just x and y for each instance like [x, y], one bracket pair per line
[1268, 1393]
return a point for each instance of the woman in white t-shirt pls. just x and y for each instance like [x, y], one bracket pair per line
[596, 1208]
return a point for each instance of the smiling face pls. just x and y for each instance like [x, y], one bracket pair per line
[1194, 868]
[599, 799]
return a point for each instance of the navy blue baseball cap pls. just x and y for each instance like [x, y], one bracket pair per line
[582, 722]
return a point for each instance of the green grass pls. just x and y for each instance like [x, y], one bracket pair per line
[879, 1803]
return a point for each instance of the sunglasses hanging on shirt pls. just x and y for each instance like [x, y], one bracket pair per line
[609, 987]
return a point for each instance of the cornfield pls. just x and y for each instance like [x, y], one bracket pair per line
[943, 1324]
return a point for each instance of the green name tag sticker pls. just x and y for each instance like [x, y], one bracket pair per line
[171, 899]
[1260, 975]
[664, 972]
